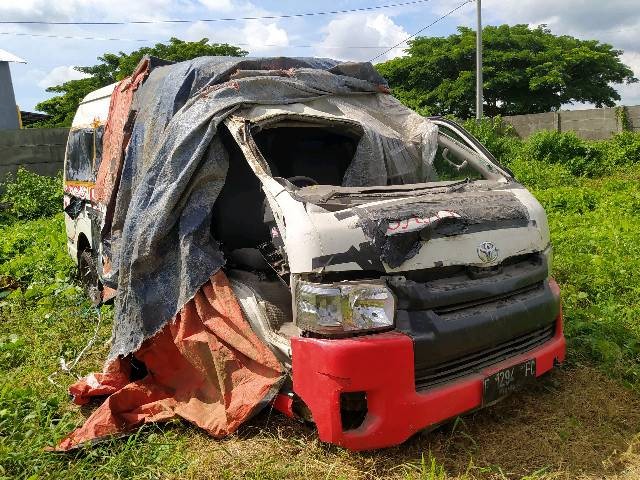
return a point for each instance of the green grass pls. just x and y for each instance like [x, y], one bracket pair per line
[45, 320]
[595, 227]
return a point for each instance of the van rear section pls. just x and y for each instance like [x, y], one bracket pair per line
[83, 215]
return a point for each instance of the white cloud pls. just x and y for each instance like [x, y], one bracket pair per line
[264, 36]
[69, 10]
[257, 36]
[218, 5]
[577, 15]
[59, 75]
[362, 31]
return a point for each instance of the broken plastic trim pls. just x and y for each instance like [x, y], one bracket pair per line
[353, 409]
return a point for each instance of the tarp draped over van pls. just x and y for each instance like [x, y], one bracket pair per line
[174, 307]
[161, 246]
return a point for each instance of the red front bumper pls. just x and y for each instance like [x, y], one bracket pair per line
[382, 366]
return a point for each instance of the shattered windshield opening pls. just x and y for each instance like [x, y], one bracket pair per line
[313, 154]
[349, 155]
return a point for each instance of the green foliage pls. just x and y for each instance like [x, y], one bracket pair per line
[30, 421]
[623, 148]
[622, 116]
[114, 67]
[29, 196]
[44, 317]
[580, 157]
[34, 256]
[427, 469]
[539, 174]
[525, 70]
[496, 135]
[595, 229]
[12, 351]
[577, 156]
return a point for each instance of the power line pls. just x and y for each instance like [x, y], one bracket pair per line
[375, 47]
[228, 19]
[421, 30]
[69, 37]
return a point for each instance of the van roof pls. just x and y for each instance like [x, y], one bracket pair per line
[94, 107]
[100, 93]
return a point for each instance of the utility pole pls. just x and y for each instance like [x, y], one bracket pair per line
[479, 60]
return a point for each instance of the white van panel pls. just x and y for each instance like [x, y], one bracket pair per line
[94, 108]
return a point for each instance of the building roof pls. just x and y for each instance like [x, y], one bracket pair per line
[10, 57]
[29, 118]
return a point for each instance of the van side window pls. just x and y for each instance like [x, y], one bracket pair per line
[448, 166]
[80, 155]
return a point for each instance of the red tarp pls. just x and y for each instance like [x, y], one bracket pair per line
[206, 366]
[116, 137]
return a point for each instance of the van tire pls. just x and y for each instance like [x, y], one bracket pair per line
[88, 276]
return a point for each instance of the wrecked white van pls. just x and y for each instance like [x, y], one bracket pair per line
[398, 272]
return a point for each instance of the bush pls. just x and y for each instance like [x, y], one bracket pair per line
[580, 157]
[29, 195]
[33, 254]
[538, 175]
[595, 227]
[623, 148]
[497, 136]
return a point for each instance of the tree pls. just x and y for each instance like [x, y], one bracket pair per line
[114, 67]
[525, 70]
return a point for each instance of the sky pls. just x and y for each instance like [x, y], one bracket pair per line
[345, 36]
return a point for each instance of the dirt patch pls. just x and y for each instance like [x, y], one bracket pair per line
[575, 423]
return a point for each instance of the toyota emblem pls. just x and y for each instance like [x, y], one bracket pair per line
[487, 252]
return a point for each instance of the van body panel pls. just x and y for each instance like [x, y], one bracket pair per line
[94, 108]
[92, 113]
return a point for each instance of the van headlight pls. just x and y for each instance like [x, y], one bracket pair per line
[345, 307]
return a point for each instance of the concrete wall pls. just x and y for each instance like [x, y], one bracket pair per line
[525, 125]
[633, 113]
[593, 124]
[40, 150]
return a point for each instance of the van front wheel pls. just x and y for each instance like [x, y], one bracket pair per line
[88, 275]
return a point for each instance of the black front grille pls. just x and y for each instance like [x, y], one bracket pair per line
[460, 367]
[489, 299]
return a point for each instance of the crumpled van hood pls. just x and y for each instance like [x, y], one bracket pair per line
[423, 231]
